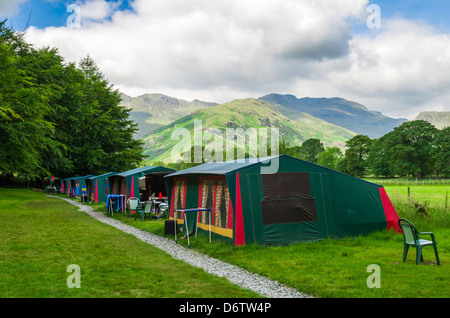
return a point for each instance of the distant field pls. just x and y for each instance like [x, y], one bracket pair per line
[409, 181]
[420, 193]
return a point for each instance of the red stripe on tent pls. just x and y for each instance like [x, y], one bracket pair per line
[239, 232]
[230, 215]
[389, 211]
[96, 192]
[132, 188]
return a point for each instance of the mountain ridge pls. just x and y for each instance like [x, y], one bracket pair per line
[340, 112]
[163, 110]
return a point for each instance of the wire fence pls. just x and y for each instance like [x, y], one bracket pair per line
[405, 181]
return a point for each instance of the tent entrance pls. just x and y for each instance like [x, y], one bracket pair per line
[152, 184]
[90, 190]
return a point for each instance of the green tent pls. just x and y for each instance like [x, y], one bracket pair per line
[75, 185]
[98, 187]
[140, 182]
[65, 186]
[277, 199]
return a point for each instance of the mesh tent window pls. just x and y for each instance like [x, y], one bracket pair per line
[207, 197]
[215, 196]
[179, 198]
[287, 198]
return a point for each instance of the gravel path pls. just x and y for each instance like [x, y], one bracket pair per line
[236, 275]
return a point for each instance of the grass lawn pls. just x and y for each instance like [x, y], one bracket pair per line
[46, 235]
[339, 268]
[40, 237]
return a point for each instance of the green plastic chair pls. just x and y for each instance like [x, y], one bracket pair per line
[147, 210]
[134, 205]
[411, 238]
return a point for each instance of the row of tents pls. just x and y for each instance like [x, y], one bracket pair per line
[270, 200]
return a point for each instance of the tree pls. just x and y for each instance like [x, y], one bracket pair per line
[330, 157]
[379, 159]
[356, 155]
[441, 152]
[310, 150]
[285, 148]
[102, 134]
[24, 103]
[57, 118]
[411, 144]
[47, 67]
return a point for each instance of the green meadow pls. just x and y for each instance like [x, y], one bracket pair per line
[41, 236]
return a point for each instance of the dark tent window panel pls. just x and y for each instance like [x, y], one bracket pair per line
[287, 198]
[286, 185]
[288, 211]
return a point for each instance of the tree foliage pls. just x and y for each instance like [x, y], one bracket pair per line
[310, 150]
[356, 155]
[413, 149]
[411, 146]
[57, 118]
[330, 158]
[441, 152]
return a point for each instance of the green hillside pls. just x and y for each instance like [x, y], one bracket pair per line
[247, 113]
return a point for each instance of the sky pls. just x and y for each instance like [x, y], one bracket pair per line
[391, 56]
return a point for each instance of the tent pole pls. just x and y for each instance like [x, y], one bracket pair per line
[196, 224]
[187, 230]
[175, 226]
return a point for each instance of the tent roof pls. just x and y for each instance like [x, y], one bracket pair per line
[222, 167]
[83, 177]
[143, 170]
[105, 175]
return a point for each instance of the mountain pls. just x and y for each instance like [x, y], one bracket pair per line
[438, 119]
[339, 112]
[246, 113]
[152, 111]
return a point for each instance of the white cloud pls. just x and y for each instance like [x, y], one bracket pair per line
[219, 50]
[96, 10]
[401, 70]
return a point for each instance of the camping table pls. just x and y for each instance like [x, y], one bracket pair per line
[196, 210]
